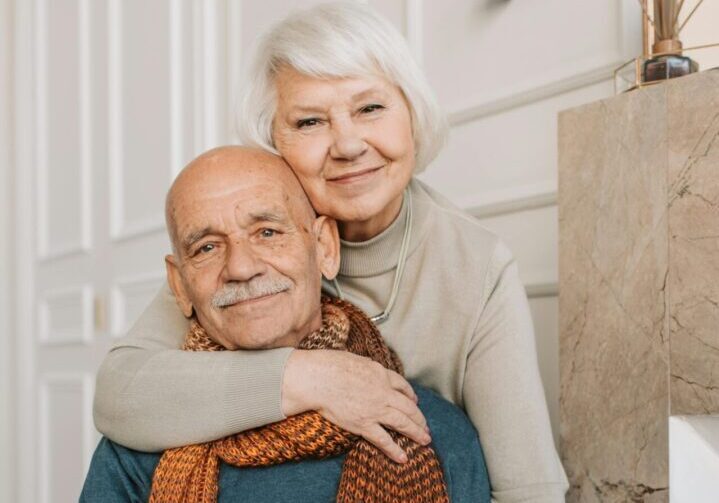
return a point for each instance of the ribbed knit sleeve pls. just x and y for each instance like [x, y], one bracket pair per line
[503, 393]
[151, 396]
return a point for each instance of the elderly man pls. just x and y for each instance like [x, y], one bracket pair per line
[248, 258]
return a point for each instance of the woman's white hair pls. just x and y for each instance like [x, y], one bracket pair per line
[339, 39]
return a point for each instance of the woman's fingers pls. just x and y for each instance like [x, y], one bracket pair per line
[411, 409]
[400, 384]
[407, 425]
[378, 436]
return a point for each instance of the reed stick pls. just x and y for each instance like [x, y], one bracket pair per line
[688, 17]
[664, 18]
[676, 14]
[643, 5]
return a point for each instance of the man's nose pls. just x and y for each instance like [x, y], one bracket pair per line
[348, 142]
[242, 262]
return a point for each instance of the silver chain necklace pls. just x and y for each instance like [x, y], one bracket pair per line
[401, 261]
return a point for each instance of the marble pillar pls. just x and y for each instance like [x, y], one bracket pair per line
[639, 282]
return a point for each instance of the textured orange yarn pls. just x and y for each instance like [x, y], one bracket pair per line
[190, 474]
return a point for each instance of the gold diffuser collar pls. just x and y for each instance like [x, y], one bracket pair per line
[668, 46]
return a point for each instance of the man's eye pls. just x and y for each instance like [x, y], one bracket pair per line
[206, 248]
[267, 233]
[371, 108]
[303, 123]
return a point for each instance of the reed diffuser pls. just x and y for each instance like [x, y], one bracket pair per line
[666, 60]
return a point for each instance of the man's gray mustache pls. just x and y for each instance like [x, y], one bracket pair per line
[232, 293]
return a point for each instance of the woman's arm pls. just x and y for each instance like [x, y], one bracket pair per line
[503, 393]
[152, 396]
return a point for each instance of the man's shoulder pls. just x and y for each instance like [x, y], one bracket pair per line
[441, 410]
[457, 445]
[118, 474]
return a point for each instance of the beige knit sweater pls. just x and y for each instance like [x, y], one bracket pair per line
[461, 325]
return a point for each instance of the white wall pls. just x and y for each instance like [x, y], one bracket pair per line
[702, 28]
[7, 339]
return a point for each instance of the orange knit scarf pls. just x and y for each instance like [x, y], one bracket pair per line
[190, 474]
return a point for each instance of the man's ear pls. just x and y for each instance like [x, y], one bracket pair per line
[177, 286]
[328, 246]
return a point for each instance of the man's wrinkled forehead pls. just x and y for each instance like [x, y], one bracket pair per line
[243, 188]
[271, 194]
[196, 225]
[253, 196]
[273, 180]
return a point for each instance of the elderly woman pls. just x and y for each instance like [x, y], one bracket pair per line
[335, 92]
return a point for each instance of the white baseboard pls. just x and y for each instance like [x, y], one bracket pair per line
[539, 290]
[693, 459]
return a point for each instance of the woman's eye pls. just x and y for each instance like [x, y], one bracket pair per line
[371, 108]
[267, 233]
[302, 123]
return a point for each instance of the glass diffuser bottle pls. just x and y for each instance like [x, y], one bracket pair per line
[667, 60]
[669, 64]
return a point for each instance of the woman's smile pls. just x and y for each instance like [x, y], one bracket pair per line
[358, 176]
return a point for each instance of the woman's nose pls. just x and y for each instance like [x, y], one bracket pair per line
[242, 263]
[348, 142]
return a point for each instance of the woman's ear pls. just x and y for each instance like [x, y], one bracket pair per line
[177, 286]
[328, 246]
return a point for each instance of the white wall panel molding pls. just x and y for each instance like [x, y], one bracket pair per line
[522, 97]
[177, 102]
[122, 226]
[193, 104]
[414, 28]
[8, 356]
[209, 48]
[517, 199]
[129, 296]
[66, 434]
[66, 316]
[86, 139]
[598, 70]
[114, 68]
[233, 63]
[24, 240]
[47, 248]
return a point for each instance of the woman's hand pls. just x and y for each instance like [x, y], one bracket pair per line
[355, 393]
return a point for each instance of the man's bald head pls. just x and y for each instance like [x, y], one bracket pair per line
[249, 251]
[222, 166]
